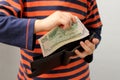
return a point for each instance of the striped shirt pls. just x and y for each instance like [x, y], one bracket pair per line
[17, 19]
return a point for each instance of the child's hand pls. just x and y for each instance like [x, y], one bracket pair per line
[58, 18]
[89, 48]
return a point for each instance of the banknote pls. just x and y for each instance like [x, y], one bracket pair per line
[58, 37]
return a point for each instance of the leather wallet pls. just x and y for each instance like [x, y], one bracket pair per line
[58, 58]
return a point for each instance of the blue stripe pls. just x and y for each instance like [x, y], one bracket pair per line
[31, 54]
[76, 59]
[41, 8]
[89, 0]
[26, 66]
[17, 1]
[37, 46]
[36, 17]
[4, 3]
[71, 1]
[18, 78]
[80, 73]
[67, 70]
[22, 65]
[94, 7]
[38, 36]
[94, 22]
[76, 2]
[23, 57]
[50, 79]
[93, 15]
[21, 73]
[87, 76]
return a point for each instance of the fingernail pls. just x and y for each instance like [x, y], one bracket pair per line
[76, 50]
[81, 42]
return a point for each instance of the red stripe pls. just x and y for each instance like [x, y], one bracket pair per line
[88, 78]
[39, 13]
[47, 13]
[25, 62]
[99, 24]
[81, 76]
[83, 1]
[26, 55]
[92, 19]
[35, 51]
[27, 30]
[5, 12]
[70, 65]
[20, 76]
[65, 74]
[42, 33]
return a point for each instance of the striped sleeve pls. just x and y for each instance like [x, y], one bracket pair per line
[93, 21]
[14, 30]
[93, 17]
[11, 7]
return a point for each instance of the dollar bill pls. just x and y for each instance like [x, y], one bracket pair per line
[58, 37]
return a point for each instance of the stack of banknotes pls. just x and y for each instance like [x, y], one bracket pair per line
[57, 37]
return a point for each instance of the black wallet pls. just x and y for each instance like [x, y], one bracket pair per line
[58, 58]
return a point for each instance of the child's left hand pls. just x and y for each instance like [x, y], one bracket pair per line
[88, 47]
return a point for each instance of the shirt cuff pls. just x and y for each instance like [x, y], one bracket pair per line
[30, 41]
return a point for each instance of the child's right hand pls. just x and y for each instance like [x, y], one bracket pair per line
[58, 18]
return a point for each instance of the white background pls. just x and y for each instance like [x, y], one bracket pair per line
[106, 63]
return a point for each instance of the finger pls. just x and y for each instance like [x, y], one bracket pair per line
[87, 49]
[65, 23]
[70, 19]
[80, 54]
[95, 41]
[74, 19]
[90, 44]
[73, 57]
